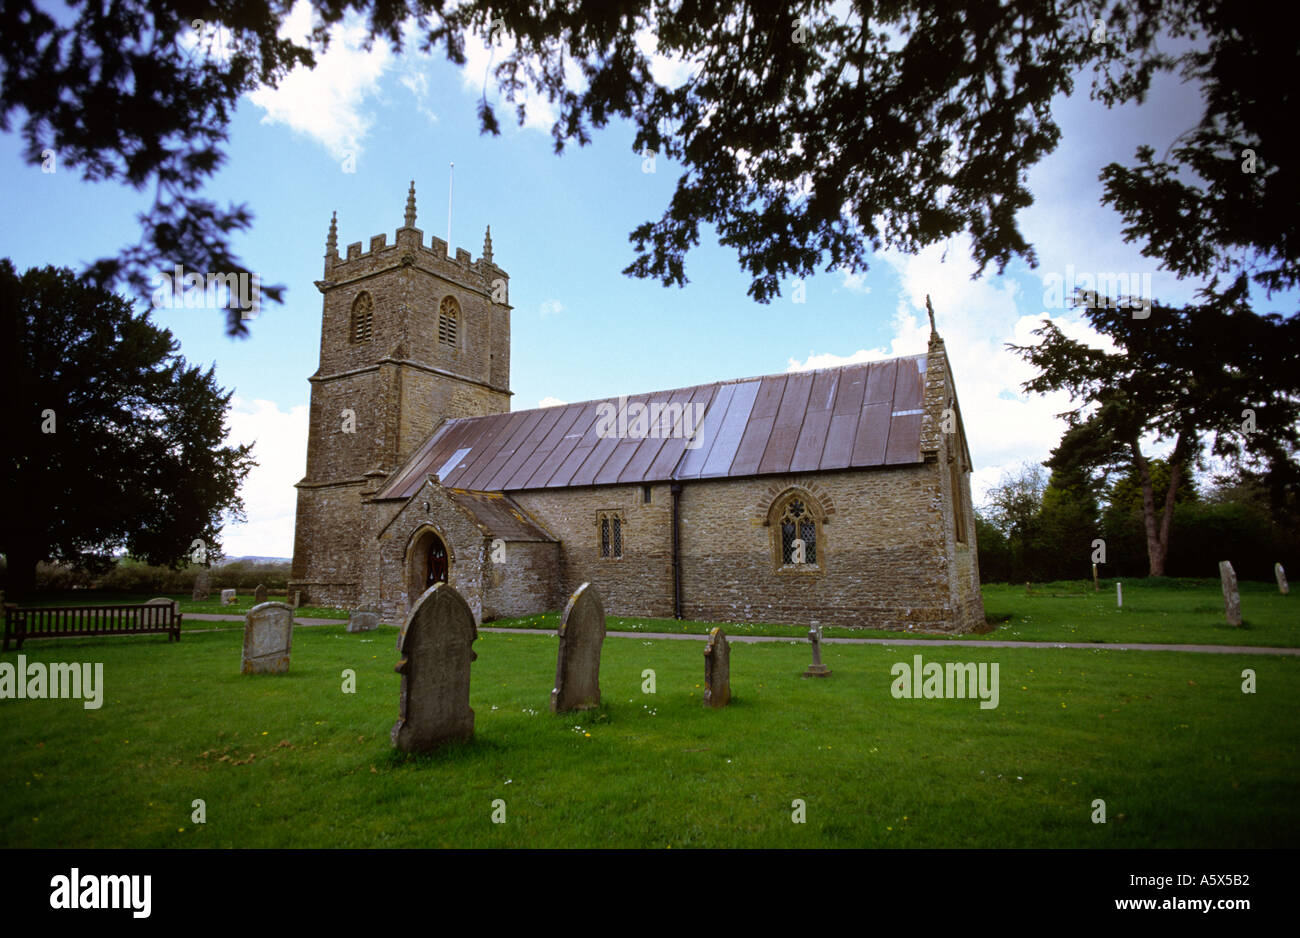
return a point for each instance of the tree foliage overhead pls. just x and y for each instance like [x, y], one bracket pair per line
[112, 440]
[805, 138]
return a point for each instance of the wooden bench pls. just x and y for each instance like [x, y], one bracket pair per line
[85, 621]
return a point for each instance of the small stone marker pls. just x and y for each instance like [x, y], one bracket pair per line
[363, 619]
[227, 597]
[577, 664]
[268, 634]
[1096, 584]
[436, 646]
[717, 670]
[1231, 597]
[1282, 586]
[295, 598]
[202, 585]
[259, 594]
[816, 669]
[164, 601]
[1119, 595]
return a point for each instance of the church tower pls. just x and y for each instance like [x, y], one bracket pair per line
[409, 337]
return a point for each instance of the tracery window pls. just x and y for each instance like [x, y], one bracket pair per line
[797, 542]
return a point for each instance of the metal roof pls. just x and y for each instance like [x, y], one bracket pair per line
[497, 515]
[853, 416]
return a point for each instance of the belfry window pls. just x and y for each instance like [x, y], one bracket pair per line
[448, 320]
[361, 325]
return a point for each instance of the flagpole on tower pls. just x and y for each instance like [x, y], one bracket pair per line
[451, 180]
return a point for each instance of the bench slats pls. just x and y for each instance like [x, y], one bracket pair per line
[76, 621]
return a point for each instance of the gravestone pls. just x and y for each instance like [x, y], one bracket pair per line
[202, 585]
[1231, 597]
[227, 597]
[1119, 595]
[1282, 586]
[363, 619]
[717, 670]
[259, 594]
[436, 648]
[577, 664]
[164, 601]
[816, 669]
[295, 598]
[268, 634]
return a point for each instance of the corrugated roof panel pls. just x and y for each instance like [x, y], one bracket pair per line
[733, 428]
[564, 447]
[637, 432]
[670, 456]
[567, 416]
[789, 421]
[880, 382]
[510, 458]
[904, 439]
[816, 423]
[693, 460]
[503, 426]
[872, 435]
[855, 416]
[638, 467]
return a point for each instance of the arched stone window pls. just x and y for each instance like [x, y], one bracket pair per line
[361, 325]
[797, 523]
[448, 321]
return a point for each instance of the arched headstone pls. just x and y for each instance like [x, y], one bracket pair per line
[364, 618]
[436, 647]
[164, 601]
[577, 664]
[717, 670]
[259, 594]
[268, 636]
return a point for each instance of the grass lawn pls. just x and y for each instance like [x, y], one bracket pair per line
[1180, 755]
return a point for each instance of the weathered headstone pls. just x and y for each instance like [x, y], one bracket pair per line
[1119, 595]
[1096, 584]
[816, 669]
[259, 594]
[227, 597]
[164, 601]
[295, 598]
[436, 647]
[1231, 597]
[202, 585]
[717, 670]
[577, 664]
[1278, 572]
[363, 619]
[268, 635]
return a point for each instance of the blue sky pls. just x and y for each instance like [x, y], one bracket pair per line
[559, 226]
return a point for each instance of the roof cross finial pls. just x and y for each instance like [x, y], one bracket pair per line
[410, 206]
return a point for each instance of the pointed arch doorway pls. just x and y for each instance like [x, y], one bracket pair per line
[428, 562]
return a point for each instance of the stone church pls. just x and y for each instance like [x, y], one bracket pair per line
[838, 497]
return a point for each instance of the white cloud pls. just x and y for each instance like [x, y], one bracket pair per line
[549, 401]
[551, 308]
[270, 500]
[329, 102]
[854, 282]
[831, 360]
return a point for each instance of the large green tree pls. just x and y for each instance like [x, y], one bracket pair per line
[1204, 376]
[112, 441]
[809, 133]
